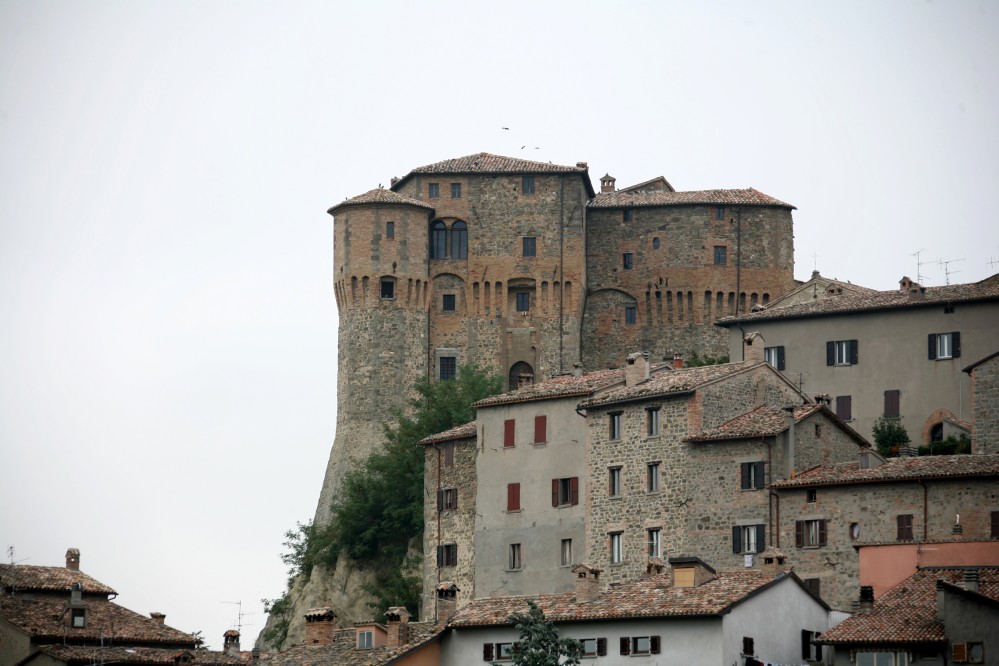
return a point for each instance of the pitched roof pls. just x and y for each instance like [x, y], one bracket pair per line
[897, 470]
[46, 620]
[813, 283]
[464, 431]
[90, 654]
[657, 184]
[763, 421]
[668, 381]
[907, 613]
[980, 362]
[488, 163]
[985, 290]
[344, 651]
[27, 578]
[379, 196]
[560, 386]
[628, 199]
[651, 596]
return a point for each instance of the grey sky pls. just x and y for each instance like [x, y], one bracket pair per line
[168, 347]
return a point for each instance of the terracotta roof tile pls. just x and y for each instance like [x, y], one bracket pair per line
[763, 421]
[48, 579]
[626, 199]
[488, 163]
[379, 196]
[344, 650]
[666, 381]
[560, 386]
[907, 612]
[88, 654]
[897, 469]
[465, 431]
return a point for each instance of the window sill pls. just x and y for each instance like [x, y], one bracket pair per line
[514, 511]
[653, 492]
[514, 570]
[540, 444]
[615, 497]
[659, 436]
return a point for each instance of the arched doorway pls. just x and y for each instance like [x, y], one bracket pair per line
[521, 374]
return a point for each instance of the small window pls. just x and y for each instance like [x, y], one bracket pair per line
[640, 645]
[448, 449]
[628, 261]
[614, 482]
[719, 212]
[775, 357]
[448, 303]
[812, 652]
[504, 651]
[904, 527]
[630, 315]
[748, 539]
[615, 425]
[747, 647]
[565, 491]
[591, 646]
[516, 556]
[652, 477]
[844, 407]
[944, 346]
[447, 555]
[628, 215]
[811, 495]
[434, 190]
[448, 368]
[616, 548]
[655, 540]
[818, 430]
[527, 185]
[721, 255]
[513, 497]
[390, 230]
[455, 190]
[655, 242]
[994, 525]
[566, 552]
[530, 245]
[892, 404]
[365, 640]
[388, 289]
[78, 617]
[509, 428]
[523, 301]
[854, 531]
[447, 499]
[810, 533]
[841, 352]
[949, 308]
[652, 422]
[751, 475]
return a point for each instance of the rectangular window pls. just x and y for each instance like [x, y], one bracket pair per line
[994, 525]
[390, 230]
[614, 482]
[616, 548]
[721, 257]
[509, 428]
[594, 647]
[628, 215]
[882, 659]
[449, 368]
[904, 527]
[513, 497]
[810, 533]
[447, 555]
[844, 407]
[892, 407]
[78, 617]
[566, 558]
[540, 429]
[640, 645]
[630, 315]
[530, 246]
[504, 651]
[448, 449]
[523, 301]
[365, 640]
[516, 556]
[448, 302]
[944, 345]
[812, 652]
[748, 649]
[841, 352]
[565, 491]
[628, 261]
[652, 477]
[615, 425]
[527, 184]
[811, 495]
[751, 475]
[447, 499]
[775, 357]
[455, 190]
[655, 542]
[434, 190]
[652, 421]
[748, 539]
[720, 213]
[388, 288]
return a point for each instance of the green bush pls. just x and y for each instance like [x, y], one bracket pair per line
[889, 435]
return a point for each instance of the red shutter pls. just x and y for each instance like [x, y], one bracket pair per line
[823, 532]
[554, 492]
[625, 645]
[513, 497]
[799, 533]
[654, 644]
[508, 430]
[540, 429]
[892, 404]
[574, 490]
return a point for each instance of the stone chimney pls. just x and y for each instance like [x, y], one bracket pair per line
[941, 600]
[577, 369]
[916, 291]
[158, 618]
[320, 624]
[398, 627]
[393, 181]
[230, 641]
[772, 561]
[677, 361]
[587, 582]
[969, 580]
[690, 571]
[655, 566]
[582, 165]
[447, 601]
[752, 348]
[73, 559]
[637, 369]
[607, 183]
[866, 599]
[76, 594]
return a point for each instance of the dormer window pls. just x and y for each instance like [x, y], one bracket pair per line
[78, 618]
[365, 639]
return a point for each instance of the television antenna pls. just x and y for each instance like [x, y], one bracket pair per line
[920, 264]
[239, 615]
[946, 267]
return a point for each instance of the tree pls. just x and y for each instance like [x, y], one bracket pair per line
[889, 435]
[539, 643]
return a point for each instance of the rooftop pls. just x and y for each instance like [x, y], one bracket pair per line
[560, 386]
[27, 578]
[379, 196]
[897, 469]
[344, 650]
[464, 431]
[668, 381]
[488, 163]
[628, 199]
[763, 421]
[89, 654]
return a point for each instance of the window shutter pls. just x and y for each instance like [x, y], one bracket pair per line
[806, 644]
[736, 539]
[955, 341]
[853, 352]
[759, 475]
[830, 353]
[799, 534]
[540, 429]
[440, 500]
[823, 532]
[554, 492]
[844, 407]
[654, 644]
[994, 531]
[487, 652]
[601, 647]
[513, 497]
[761, 538]
[574, 490]
[440, 556]
[625, 645]
[932, 346]
[780, 357]
[744, 476]
[508, 430]
[892, 408]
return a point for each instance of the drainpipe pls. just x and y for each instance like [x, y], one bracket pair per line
[770, 496]
[561, 271]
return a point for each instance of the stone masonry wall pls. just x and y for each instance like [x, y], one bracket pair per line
[985, 399]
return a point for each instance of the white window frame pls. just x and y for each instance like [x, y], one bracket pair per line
[841, 352]
[613, 481]
[566, 552]
[655, 541]
[616, 547]
[770, 356]
[945, 345]
[654, 425]
[749, 545]
[365, 639]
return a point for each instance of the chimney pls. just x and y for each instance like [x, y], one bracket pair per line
[677, 361]
[398, 627]
[607, 183]
[395, 179]
[255, 654]
[752, 349]
[655, 566]
[73, 559]
[637, 369]
[941, 600]
[587, 583]
[577, 369]
[866, 599]
[230, 641]
[158, 618]
[447, 601]
[969, 580]
[582, 165]
[690, 571]
[320, 623]
[907, 452]
[772, 561]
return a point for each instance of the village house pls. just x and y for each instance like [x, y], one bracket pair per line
[984, 375]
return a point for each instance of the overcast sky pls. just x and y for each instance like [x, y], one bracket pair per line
[168, 335]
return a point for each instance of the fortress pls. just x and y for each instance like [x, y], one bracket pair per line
[523, 267]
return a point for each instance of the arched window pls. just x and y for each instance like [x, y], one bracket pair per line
[459, 240]
[438, 240]
[521, 374]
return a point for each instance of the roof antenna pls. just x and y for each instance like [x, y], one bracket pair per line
[946, 267]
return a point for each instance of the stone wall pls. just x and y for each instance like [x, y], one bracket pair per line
[985, 401]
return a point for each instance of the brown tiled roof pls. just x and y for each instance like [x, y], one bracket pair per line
[763, 421]
[651, 596]
[89, 654]
[48, 579]
[560, 386]
[666, 381]
[897, 469]
[344, 650]
[46, 620]
[488, 163]
[824, 282]
[626, 199]
[379, 196]
[907, 612]
[980, 362]
[465, 431]
[986, 290]
[660, 180]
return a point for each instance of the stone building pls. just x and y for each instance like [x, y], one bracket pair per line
[985, 404]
